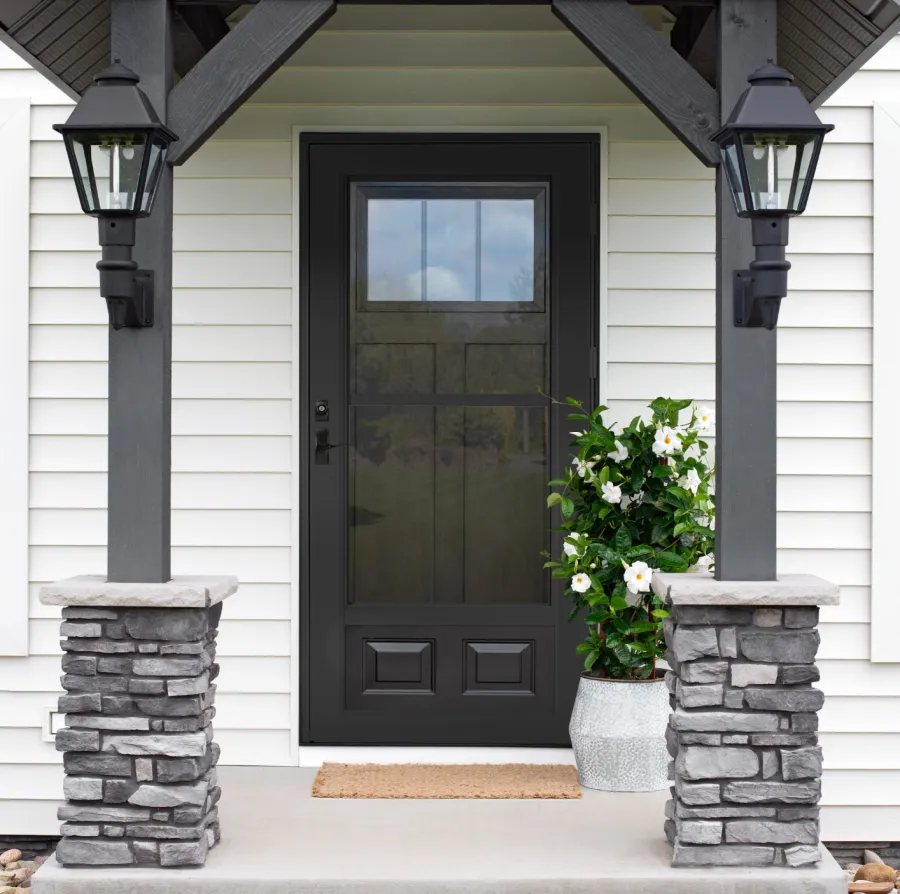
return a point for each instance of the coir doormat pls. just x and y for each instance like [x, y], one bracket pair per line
[518, 781]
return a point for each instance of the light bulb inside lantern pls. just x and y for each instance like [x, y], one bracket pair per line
[128, 153]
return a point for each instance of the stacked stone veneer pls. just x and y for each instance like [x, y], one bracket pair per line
[139, 757]
[743, 734]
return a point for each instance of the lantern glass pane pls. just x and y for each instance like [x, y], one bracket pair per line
[733, 173]
[112, 165]
[156, 157]
[778, 170]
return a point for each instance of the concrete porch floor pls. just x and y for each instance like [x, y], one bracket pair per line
[277, 839]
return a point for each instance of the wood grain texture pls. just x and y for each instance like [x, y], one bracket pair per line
[668, 84]
[237, 66]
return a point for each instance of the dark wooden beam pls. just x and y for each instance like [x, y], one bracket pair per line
[195, 31]
[745, 358]
[140, 360]
[673, 90]
[237, 66]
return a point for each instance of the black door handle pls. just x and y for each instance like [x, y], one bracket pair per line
[323, 448]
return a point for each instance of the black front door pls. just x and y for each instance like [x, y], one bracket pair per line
[449, 288]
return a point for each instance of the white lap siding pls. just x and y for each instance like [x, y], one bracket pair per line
[437, 68]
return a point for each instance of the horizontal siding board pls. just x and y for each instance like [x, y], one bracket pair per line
[51, 453]
[192, 196]
[682, 307]
[456, 49]
[56, 269]
[672, 161]
[824, 493]
[73, 416]
[192, 232]
[455, 86]
[860, 713]
[190, 490]
[822, 530]
[852, 567]
[821, 456]
[190, 527]
[628, 344]
[844, 642]
[809, 235]
[829, 198]
[275, 121]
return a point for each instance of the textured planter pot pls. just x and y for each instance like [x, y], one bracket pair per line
[618, 732]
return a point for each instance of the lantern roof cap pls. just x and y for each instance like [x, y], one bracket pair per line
[772, 104]
[114, 102]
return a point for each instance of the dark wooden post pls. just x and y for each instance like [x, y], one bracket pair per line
[745, 358]
[140, 360]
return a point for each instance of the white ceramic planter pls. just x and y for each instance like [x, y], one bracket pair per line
[618, 732]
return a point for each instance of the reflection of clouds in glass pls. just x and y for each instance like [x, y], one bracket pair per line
[507, 250]
[394, 249]
[395, 244]
[443, 284]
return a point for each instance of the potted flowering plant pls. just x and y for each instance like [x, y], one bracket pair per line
[635, 502]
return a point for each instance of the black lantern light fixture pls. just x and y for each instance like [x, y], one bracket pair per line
[770, 146]
[117, 148]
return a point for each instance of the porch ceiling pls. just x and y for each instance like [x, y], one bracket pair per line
[821, 41]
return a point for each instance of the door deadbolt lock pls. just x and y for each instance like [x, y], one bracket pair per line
[321, 411]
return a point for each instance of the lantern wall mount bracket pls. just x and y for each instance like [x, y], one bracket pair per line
[758, 291]
[128, 290]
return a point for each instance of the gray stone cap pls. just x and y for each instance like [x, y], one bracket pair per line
[188, 591]
[703, 589]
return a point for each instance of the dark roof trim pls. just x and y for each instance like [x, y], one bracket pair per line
[37, 65]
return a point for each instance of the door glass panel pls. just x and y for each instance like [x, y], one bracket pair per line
[508, 260]
[448, 452]
[451, 251]
[395, 250]
[451, 243]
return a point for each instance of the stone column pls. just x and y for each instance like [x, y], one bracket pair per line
[139, 757]
[743, 736]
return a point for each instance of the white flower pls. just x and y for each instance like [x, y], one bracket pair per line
[625, 502]
[703, 521]
[581, 583]
[690, 480]
[667, 441]
[570, 548]
[711, 487]
[693, 452]
[638, 498]
[577, 434]
[610, 492]
[637, 577]
[620, 454]
[705, 419]
[712, 524]
[583, 467]
[702, 564]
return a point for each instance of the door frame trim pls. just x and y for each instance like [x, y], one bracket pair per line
[299, 409]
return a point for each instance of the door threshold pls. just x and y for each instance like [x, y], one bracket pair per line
[315, 755]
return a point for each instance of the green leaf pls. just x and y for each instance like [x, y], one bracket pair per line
[567, 507]
[618, 603]
[671, 561]
[590, 659]
[604, 475]
[639, 552]
[623, 539]
[597, 617]
[662, 471]
[680, 528]
[557, 482]
[553, 499]
[660, 613]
